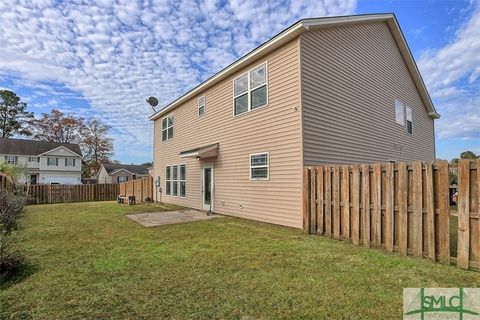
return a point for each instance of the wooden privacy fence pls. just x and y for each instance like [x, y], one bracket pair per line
[6, 183]
[142, 189]
[397, 207]
[58, 193]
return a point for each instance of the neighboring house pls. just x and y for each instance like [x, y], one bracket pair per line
[115, 173]
[46, 162]
[324, 91]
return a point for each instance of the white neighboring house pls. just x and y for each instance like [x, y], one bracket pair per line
[46, 162]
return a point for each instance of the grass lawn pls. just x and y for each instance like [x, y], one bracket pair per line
[88, 260]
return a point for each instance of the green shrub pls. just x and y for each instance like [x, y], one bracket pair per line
[11, 209]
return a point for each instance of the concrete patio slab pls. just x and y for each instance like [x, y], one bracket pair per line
[154, 219]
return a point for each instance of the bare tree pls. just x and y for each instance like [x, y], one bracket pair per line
[97, 146]
[57, 126]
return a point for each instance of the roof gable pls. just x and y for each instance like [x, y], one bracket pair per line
[33, 147]
[60, 151]
[294, 31]
[111, 168]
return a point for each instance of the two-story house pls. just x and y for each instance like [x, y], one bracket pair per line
[46, 162]
[330, 90]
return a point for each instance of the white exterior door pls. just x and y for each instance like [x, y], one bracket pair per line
[207, 187]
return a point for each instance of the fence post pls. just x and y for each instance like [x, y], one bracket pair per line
[336, 202]
[366, 205]
[444, 211]
[305, 194]
[417, 243]
[389, 207]
[463, 252]
[430, 202]
[313, 200]
[328, 201]
[346, 202]
[377, 205]
[356, 205]
[320, 201]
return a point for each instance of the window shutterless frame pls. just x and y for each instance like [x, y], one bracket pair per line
[399, 113]
[168, 181]
[409, 119]
[175, 176]
[267, 166]
[250, 90]
[167, 124]
[201, 106]
[182, 181]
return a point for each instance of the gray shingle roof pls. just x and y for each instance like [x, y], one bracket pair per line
[33, 147]
[133, 168]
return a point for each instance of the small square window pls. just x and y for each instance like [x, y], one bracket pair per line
[259, 166]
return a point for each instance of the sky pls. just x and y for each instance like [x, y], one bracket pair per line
[102, 59]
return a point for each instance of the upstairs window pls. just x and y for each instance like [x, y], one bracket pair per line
[11, 159]
[201, 106]
[52, 161]
[409, 114]
[168, 180]
[167, 128]
[69, 162]
[33, 159]
[259, 166]
[250, 90]
[399, 113]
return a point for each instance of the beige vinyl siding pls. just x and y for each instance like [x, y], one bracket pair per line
[275, 129]
[351, 77]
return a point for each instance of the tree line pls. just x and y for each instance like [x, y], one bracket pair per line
[91, 134]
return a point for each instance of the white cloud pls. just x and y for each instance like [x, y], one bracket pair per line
[117, 53]
[452, 76]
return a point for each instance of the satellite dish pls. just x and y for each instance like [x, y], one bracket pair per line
[153, 102]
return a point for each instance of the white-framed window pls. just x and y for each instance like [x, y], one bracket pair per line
[168, 180]
[259, 166]
[175, 180]
[399, 113]
[69, 162]
[167, 128]
[33, 159]
[11, 159]
[201, 106]
[250, 90]
[52, 161]
[183, 181]
[122, 179]
[409, 116]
